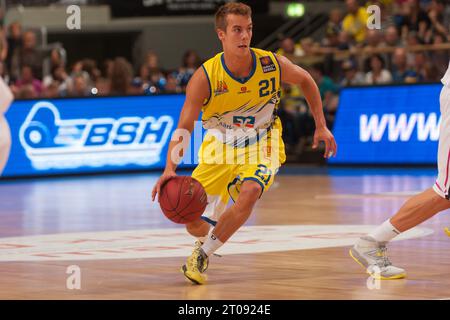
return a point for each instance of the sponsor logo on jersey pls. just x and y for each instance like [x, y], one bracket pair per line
[244, 90]
[221, 88]
[54, 143]
[244, 122]
[267, 64]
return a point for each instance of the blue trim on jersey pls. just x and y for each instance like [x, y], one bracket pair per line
[210, 88]
[260, 183]
[279, 66]
[211, 222]
[240, 80]
[232, 183]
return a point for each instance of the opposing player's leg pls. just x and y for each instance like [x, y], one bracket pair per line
[370, 251]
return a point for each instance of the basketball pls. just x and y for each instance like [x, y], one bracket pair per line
[182, 199]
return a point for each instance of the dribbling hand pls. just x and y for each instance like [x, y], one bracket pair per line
[161, 181]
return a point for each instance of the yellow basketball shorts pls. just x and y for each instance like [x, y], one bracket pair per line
[222, 181]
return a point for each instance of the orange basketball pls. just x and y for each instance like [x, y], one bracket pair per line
[182, 199]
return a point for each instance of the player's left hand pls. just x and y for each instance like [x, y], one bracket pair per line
[325, 135]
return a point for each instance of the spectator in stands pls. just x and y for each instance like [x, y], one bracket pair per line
[344, 41]
[59, 75]
[190, 63]
[121, 77]
[415, 19]
[335, 21]
[328, 91]
[156, 75]
[51, 90]
[431, 72]
[25, 92]
[27, 78]
[437, 16]
[352, 77]
[420, 59]
[290, 49]
[14, 40]
[172, 85]
[310, 56]
[102, 87]
[27, 54]
[90, 67]
[378, 74]
[400, 71]
[391, 37]
[355, 22]
[79, 87]
[440, 57]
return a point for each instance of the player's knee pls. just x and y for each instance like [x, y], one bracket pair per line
[248, 195]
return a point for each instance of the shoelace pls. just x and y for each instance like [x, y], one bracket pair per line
[380, 255]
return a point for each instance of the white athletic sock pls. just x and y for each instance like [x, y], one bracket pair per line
[211, 244]
[201, 239]
[385, 232]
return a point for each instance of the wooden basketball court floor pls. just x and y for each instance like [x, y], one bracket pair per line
[324, 209]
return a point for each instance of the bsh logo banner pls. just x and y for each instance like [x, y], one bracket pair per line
[51, 142]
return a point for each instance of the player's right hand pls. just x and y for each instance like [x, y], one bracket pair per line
[161, 181]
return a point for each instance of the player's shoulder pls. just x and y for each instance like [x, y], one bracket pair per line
[213, 60]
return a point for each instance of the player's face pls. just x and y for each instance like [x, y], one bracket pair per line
[238, 35]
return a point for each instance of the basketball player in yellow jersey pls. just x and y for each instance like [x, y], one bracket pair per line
[238, 91]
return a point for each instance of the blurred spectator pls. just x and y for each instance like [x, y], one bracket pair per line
[27, 79]
[191, 62]
[440, 57]
[25, 92]
[391, 37]
[90, 67]
[51, 90]
[172, 85]
[290, 49]
[414, 19]
[431, 72]
[328, 91]
[420, 60]
[335, 21]
[107, 68]
[400, 71]
[102, 87]
[325, 84]
[27, 54]
[156, 75]
[121, 77]
[310, 56]
[344, 41]
[14, 40]
[59, 75]
[377, 74]
[352, 77]
[355, 22]
[79, 86]
[438, 18]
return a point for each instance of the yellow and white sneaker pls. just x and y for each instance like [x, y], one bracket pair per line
[196, 265]
[372, 255]
[447, 231]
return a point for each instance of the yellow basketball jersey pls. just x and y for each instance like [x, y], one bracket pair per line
[241, 106]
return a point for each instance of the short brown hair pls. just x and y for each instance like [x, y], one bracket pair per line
[237, 8]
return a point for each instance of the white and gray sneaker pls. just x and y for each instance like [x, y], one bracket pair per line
[372, 255]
